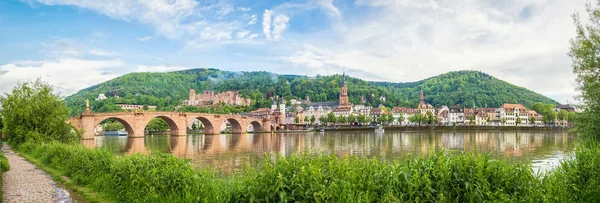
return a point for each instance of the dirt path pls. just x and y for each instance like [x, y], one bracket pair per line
[24, 182]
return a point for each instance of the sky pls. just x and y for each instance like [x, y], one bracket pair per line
[74, 44]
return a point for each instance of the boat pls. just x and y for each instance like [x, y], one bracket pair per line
[115, 133]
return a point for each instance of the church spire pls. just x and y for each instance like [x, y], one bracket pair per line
[344, 78]
[422, 98]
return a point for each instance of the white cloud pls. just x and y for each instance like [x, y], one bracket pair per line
[279, 24]
[252, 36]
[266, 23]
[144, 38]
[241, 8]
[253, 20]
[242, 34]
[66, 75]
[435, 37]
[175, 19]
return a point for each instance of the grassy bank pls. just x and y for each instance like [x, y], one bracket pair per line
[4, 166]
[438, 177]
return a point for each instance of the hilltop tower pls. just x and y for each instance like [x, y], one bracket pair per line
[192, 94]
[344, 92]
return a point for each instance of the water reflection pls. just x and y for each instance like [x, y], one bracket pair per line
[230, 152]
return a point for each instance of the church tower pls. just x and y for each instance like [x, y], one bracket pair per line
[344, 92]
[422, 98]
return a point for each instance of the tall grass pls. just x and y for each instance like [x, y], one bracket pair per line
[4, 166]
[440, 177]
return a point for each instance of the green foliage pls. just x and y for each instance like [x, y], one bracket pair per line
[4, 166]
[361, 118]
[518, 121]
[312, 119]
[31, 112]
[168, 90]
[323, 120]
[576, 180]
[531, 120]
[111, 125]
[157, 124]
[546, 110]
[382, 119]
[331, 117]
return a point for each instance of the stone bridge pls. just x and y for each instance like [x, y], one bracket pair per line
[135, 122]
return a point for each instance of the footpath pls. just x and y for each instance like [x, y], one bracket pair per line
[25, 182]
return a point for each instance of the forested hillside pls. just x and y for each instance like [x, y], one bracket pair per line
[167, 90]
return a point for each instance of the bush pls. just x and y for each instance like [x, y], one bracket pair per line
[31, 112]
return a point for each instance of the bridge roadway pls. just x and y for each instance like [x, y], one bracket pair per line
[135, 122]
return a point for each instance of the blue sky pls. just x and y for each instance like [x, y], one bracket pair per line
[74, 44]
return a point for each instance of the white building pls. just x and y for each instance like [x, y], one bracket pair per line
[510, 112]
[101, 97]
[456, 115]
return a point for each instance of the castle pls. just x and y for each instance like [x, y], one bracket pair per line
[209, 98]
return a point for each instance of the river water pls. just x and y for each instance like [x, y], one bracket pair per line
[229, 153]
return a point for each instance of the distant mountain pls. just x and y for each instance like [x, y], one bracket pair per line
[167, 90]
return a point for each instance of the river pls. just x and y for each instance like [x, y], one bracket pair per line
[229, 153]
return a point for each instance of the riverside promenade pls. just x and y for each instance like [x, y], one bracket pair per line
[25, 182]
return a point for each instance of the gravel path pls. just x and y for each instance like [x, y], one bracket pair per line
[24, 182]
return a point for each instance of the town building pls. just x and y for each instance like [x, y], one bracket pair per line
[209, 98]
[456, 115]
[405, 112]
[537, 116]
[424, 107]
[566, 107]
[469, 115]
[443, 114]
[511, 113]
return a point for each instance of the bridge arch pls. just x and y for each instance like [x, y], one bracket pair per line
[256, 126]
[127, 125]
[236, 127]
[173, 127]
[209, 127]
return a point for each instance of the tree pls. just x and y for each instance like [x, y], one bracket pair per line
[331, 118]
[430, 118]
[503, 121]
[368, 119]
[400, 119]
[382, 119]
[532, 120]
[157, 125]
[390, 118]
[361, 118]
[323, 120]
[351, 118]
[586, 66]
[518, 121]
[194, 126]
[342, 119]
[417, 118]
[297, 120]
[306, 119]
[471, 119]
[32, 113]
[312, 119]
[563, 115]
[145, 107]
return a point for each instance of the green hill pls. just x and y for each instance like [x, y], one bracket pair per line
[167, 90]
